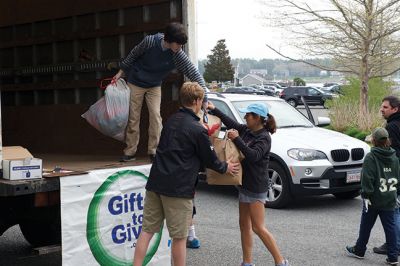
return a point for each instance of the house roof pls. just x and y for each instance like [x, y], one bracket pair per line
[255, 77]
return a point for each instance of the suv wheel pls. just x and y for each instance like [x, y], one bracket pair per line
[278, 194]
[292, 102]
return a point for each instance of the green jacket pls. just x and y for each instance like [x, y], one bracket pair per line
[380, 178]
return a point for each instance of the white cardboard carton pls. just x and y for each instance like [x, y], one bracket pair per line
[18, 163]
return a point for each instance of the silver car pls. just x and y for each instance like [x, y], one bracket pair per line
[305, 159]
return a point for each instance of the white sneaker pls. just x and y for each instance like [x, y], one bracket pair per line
[285, 262]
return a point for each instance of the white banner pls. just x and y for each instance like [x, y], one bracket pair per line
[101, 218]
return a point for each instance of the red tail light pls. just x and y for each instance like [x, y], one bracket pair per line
[281, 94]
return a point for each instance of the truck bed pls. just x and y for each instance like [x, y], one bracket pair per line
[85, 162]
[78, 164]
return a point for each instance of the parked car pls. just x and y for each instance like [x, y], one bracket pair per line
[268, 90]
[333, 89]
[244, 90]
[312, 95]
[329, 84]
[271, 90]
[278, 88]
[304, 159]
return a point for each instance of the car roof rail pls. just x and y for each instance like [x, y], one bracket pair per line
[217, 93]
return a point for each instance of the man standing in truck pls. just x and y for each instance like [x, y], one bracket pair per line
[147, 64]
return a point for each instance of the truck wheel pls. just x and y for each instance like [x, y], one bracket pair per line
[292, 102]
[347, 195]
[278, 195]
[43, 228]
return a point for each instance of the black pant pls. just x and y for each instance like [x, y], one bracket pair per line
[368, 219]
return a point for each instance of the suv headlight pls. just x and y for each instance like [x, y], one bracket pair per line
[306, 154]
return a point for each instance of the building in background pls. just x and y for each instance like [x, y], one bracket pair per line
[260, 72]
[251, 79]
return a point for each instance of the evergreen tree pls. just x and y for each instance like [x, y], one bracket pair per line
[299, 82]
[218, 67]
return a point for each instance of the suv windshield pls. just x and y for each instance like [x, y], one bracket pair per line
[285, 115]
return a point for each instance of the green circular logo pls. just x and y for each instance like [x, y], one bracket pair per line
[96, 233]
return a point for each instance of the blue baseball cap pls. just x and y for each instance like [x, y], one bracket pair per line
[257, 108]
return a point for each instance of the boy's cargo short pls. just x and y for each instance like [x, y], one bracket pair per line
[176, 211]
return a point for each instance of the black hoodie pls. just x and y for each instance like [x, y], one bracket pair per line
[184, 146]
[393, 127]
[380, 178]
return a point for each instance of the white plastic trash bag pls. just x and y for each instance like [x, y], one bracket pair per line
[109, 115]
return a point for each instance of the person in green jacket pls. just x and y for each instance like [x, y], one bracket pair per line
[379, 190]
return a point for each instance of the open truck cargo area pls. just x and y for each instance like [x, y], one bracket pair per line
[52, 59]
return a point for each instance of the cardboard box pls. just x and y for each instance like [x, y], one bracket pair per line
[18, 163]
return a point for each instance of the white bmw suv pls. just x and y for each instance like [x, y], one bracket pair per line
[305, 159]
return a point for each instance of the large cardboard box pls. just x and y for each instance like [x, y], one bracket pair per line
[18, 163]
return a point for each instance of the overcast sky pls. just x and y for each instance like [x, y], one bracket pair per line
[238, 22]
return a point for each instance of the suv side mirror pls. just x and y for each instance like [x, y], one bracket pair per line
[323, 121]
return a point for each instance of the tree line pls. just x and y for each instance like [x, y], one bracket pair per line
[361, 37]
[220, 67]
[275, 68]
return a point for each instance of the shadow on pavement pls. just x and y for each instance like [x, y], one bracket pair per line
[15, 251]
[324, 202]
[203, 187]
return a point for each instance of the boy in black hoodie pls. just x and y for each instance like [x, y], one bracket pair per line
[184, 147]
[379, 189]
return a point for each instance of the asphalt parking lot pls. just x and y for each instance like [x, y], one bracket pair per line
[311, 231]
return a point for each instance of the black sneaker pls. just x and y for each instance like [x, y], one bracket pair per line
[351, 252]
[381, 250]
[391, 262]
[151, 157]
[128, 158]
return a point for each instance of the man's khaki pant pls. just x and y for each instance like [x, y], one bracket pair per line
[153, 101]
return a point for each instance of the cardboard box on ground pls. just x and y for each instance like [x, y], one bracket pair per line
[18, 163]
